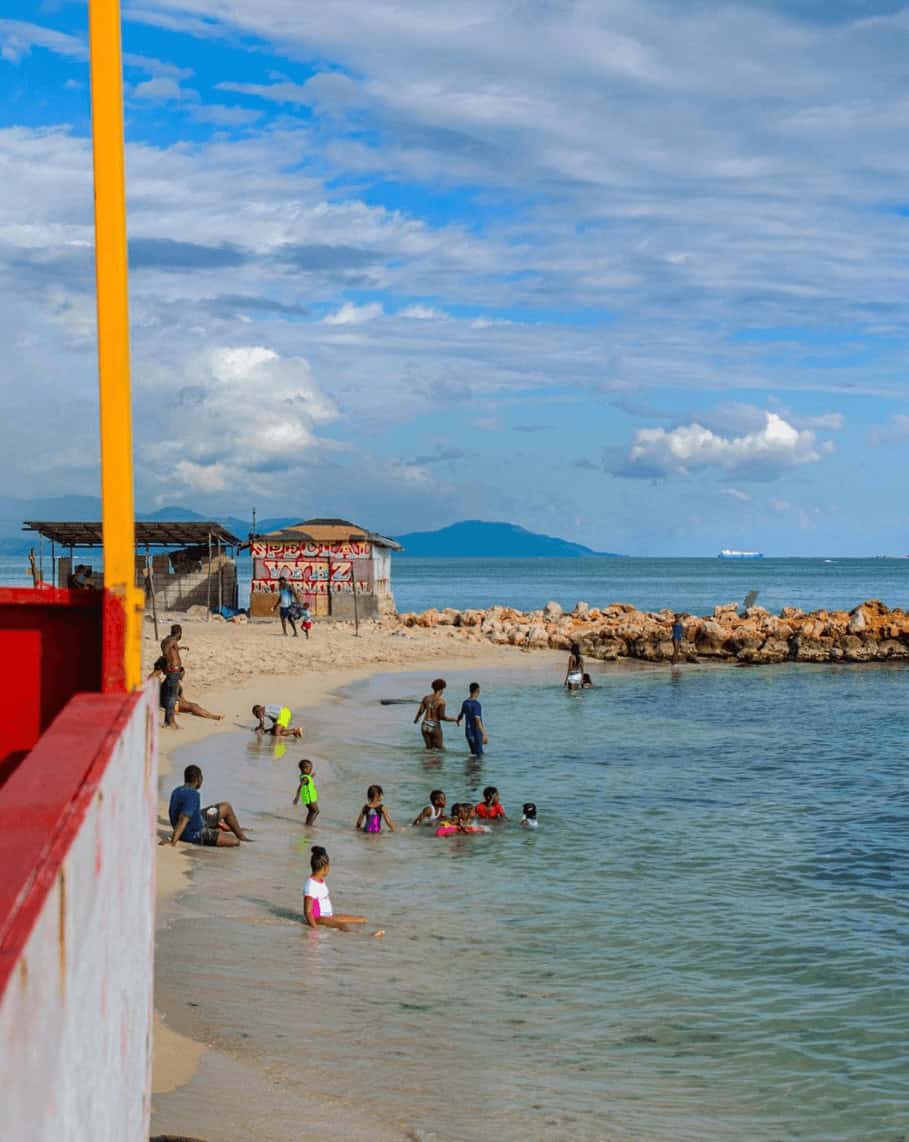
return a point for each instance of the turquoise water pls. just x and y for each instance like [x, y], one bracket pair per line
[694, 585]
[705, 939]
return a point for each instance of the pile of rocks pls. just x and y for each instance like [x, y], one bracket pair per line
[869, 633]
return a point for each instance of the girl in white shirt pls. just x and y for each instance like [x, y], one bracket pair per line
[317, 908]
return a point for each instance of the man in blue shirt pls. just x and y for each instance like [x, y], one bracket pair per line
[199, 826]
[472, 712]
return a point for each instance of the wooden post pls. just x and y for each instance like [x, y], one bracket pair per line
[150, 576]
[209, 576]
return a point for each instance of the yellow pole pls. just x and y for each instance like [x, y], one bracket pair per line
[123, 612]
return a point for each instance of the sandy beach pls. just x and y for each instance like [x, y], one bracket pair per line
[200, 1090]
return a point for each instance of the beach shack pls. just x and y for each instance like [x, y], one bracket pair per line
[342, 570]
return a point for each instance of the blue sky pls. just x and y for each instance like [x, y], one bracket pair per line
[633, 273]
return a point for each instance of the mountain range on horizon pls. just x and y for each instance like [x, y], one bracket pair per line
[467, 538]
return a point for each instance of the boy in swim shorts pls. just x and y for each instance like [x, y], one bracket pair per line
[280, 718]
[306, 792]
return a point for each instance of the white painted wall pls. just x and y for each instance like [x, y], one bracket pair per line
[76, 1016]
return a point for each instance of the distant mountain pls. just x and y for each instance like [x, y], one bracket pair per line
[15, 541]
[479, 539]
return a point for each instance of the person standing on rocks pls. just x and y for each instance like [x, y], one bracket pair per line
[678, 633]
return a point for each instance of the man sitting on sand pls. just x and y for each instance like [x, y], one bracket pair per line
[200, 826]
[280, 718]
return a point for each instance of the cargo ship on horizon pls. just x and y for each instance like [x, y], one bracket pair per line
[730, 553]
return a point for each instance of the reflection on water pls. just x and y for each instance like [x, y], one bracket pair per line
[705, 939]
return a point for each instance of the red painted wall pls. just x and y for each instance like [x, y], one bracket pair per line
[50, 647]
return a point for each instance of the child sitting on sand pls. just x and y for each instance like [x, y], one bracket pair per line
[374, 812]
[491, 808]
[317, 909]
[306, 792]
[434, 811]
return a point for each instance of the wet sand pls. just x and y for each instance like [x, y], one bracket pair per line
[208, 1086]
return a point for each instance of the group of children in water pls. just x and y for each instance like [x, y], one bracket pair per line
[460, 818]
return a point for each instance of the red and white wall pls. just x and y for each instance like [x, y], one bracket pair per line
[77, 857]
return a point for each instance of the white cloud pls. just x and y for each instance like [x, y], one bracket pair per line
[201, 478]
[764, 454]
[350, 314]
[896, 429]
[163, 89]
[17, 38]
[736, 494]
[423, 313]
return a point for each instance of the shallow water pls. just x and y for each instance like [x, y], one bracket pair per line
[705, 939]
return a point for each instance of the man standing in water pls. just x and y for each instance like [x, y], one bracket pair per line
[472, 712]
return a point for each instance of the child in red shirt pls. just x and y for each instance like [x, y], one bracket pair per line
[491, 808]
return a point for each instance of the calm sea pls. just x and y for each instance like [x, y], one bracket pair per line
[694, 585]
[707, 938]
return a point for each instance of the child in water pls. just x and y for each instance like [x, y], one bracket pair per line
[434, 811]
[374, 812]
[317, 909]
[529, 820]
[491, 808]
[306, 792]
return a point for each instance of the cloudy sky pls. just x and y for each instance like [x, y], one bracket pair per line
[633, 273]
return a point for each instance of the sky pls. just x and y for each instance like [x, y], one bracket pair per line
[631, 273]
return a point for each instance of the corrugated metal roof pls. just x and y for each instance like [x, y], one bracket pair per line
[180, 533]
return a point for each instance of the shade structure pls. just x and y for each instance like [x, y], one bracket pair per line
[179, 533]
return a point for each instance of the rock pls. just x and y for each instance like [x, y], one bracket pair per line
[580, 609]
[723, 610]
[712, 639]
[197, 611]
[241, 618]
[857, 621]
[552, 611]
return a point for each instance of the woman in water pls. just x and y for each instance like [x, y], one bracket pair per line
[317, 909]
[432, 711]
[574, 675]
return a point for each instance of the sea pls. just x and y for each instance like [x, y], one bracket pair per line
[693, 585]
[705, 939]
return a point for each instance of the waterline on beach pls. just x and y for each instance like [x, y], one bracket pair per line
[704, 938]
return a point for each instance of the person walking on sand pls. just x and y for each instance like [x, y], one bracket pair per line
[432, 711]
[286, 601]
[173, 674]
[474, 729]
[198, 826]
[317, 909]
[574, 675]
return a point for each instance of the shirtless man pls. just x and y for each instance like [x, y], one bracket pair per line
[432, 711]
[173, 673]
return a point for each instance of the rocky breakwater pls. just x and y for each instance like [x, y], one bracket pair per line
[869, 633]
